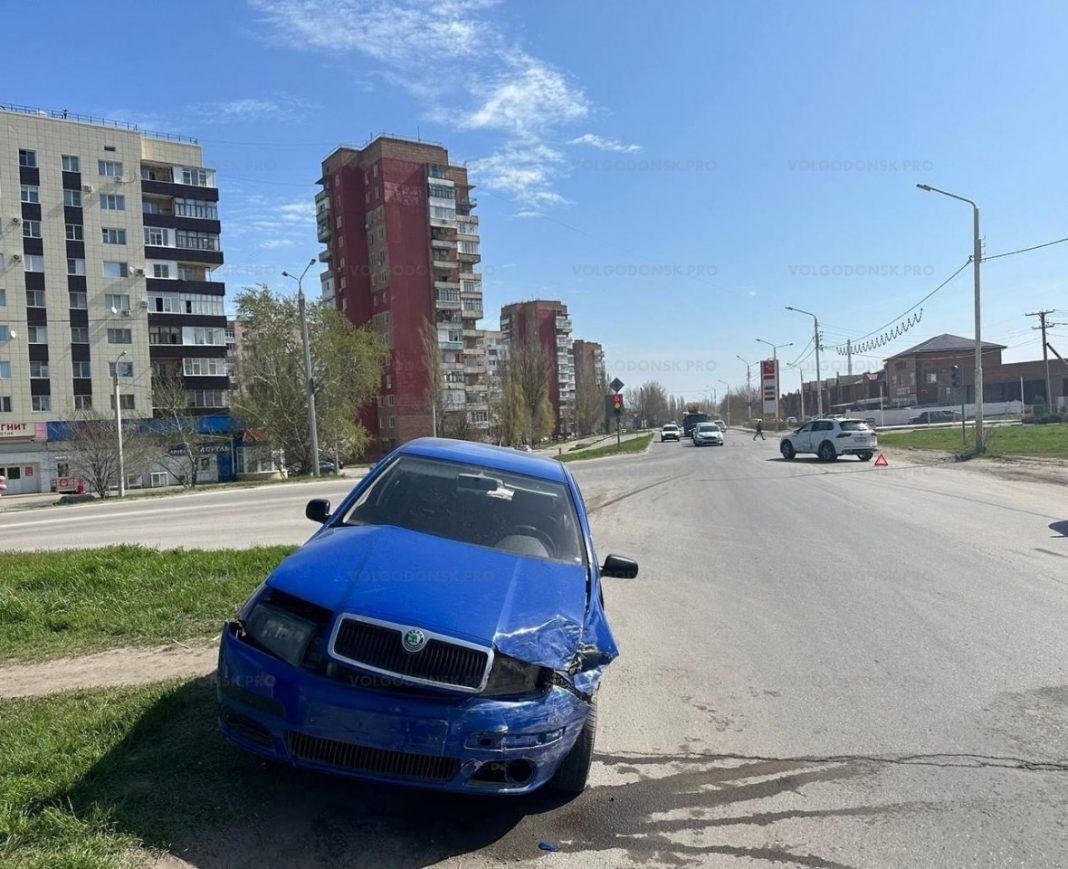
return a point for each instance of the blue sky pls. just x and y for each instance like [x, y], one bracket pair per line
[677, 173]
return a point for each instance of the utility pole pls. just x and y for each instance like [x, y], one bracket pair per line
[118, 425]
[309, 379]
[1043, 325]
[816, 333]
[849, 357]
[748, 391]
[801, 391]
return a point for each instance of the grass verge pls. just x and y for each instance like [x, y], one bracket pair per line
[1042, 441]
[634, 445]
[85, 600]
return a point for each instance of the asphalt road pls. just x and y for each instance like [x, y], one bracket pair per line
[822, 665]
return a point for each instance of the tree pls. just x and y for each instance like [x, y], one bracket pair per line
[448, 421]
[526, 411]
[649, 402]
[589, 402]
[182, 446]
[347, 366]
[92, 450]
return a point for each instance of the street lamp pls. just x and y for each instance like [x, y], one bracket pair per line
[775, 348]
[977, 258]
[725, 383]
[309, 380]
[748, 390]
[819, 383]
[118, 424]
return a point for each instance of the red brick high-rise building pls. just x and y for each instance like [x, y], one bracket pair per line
[402, 248]
[547, 323]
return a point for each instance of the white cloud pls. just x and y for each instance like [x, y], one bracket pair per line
[605, 143]
[273, 243]
[281, 107]
[454, 58]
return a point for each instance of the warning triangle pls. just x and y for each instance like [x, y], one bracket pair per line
[881, 462]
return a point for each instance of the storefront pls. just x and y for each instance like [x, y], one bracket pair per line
[23, 457]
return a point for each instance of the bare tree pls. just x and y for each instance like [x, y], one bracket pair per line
[589, 402]
[182, 445]
[92, 451]
[527, 411]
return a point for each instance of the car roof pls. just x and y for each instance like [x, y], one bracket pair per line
[498, 458]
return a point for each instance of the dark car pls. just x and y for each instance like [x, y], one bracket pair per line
[933, 416]
[444, 628]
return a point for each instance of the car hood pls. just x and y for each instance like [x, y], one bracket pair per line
[527, 608]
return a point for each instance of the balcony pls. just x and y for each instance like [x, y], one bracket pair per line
[325, 230]
[563, 324]
[184, 191]
[448, 285]
[446, 304]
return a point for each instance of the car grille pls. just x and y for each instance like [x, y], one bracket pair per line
[439, 661]
[361, 758]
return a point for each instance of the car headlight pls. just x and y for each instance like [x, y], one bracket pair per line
[279, 632]
[512, 677]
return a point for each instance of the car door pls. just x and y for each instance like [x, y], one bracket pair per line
[801, 438]
[821, 428]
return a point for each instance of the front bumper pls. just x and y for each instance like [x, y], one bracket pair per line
[714, 441]
[428, 740]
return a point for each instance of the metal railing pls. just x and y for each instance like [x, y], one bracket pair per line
[64, 115]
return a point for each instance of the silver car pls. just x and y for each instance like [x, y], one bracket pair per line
[707, 433]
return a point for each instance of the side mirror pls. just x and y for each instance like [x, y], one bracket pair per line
[318, 510]
[620, 567]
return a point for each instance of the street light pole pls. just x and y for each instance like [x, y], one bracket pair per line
[118, 425]
[977, 258]
[725, 383]
[748, 391]
[816, 333]
[775, 348]
[309, 380]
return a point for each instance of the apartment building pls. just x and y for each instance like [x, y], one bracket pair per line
[589, 362]
[108, 239]
[402, 249]
[546, 323]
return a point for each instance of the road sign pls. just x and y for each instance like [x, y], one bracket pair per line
[881, 462]
[616, 384]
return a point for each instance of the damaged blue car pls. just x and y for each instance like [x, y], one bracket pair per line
[444, 628]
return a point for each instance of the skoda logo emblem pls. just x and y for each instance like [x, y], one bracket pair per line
[414, 640]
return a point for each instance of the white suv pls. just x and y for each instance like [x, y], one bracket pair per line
[831, 438]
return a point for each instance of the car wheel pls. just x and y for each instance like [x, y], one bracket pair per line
[574, 770]
[827, 452]
[864, 457]
[787, 450]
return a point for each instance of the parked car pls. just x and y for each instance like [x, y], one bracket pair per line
[707, 433]
[326, 466]
[932, 416]
[831, 438]
[443, 628]
[670, 432]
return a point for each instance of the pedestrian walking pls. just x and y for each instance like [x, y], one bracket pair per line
[760, 431]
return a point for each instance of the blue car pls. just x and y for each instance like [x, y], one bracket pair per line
[444, 628]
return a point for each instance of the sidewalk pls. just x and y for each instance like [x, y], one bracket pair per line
[588, 443]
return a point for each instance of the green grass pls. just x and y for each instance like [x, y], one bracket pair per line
[1046, 441]
[634, 445]
[56, 603]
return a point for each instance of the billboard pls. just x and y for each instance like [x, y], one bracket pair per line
[769, 387]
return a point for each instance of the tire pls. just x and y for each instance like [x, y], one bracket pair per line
[827, 452]
[570, 777]
[787, 450]
[864, 457]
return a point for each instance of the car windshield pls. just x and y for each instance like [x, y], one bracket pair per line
[854, 425]
[708, 426]
[671, 427]
[473, 504]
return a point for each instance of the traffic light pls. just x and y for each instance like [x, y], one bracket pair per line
[956, 380]
[617, 403]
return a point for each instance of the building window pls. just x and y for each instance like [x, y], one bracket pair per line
[83, 402]
[72, 198]
[126, 402]
[79, 334]
[5, 404]
[38, 370]
[30, 193]
[109, 168]
[157, 236]
[33, 262]
[438, 191]
[208, 335]
[207, 397]
[35, 298]
[80, 369]
[75, 266]
[79, 301]
[120, 336]
[71, 164]
[112, 202]
[40, 403]
[31, 229]
[192, 273]
[75, 232]
[27, 158]
[117, 301]
[204, 367]
[195, 177]
[114, 269]
[150, 206]
[5, 370]
[111, 235]
[120, 369]
[196, 208]
[37, 334]
[196, 240]
[164, 335]
[5, 334]
[3, 298]
[161, 270]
